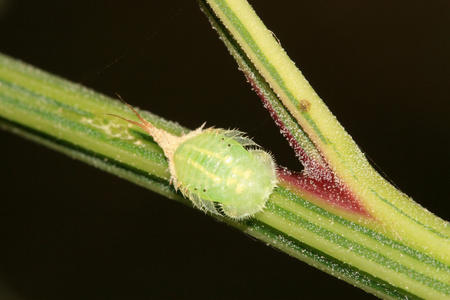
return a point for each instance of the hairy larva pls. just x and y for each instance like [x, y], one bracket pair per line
[220, 171]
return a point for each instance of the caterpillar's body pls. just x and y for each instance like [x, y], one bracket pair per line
[215, 170]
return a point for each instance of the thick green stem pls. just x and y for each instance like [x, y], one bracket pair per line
[71, 119]
[382, 257]
[400, 218]
[379, 197]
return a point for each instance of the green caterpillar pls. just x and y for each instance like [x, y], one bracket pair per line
[216, 170]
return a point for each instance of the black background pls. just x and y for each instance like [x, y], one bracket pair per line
[69, 231]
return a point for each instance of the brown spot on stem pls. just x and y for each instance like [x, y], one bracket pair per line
[304, 105]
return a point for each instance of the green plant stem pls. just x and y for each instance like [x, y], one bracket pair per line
[245, 35]
[342, 154]
[71, 119]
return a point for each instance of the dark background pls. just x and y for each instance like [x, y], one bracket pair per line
[69, 231]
